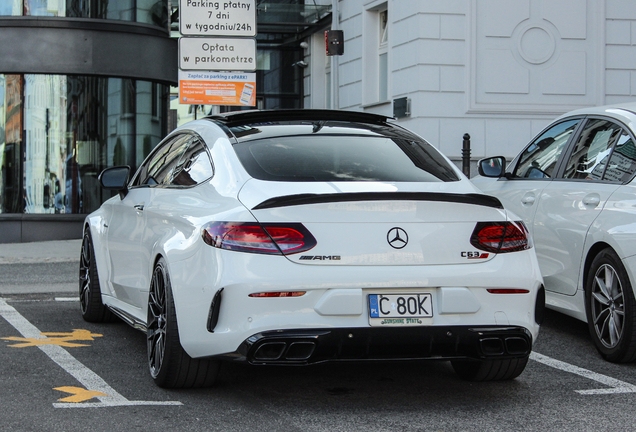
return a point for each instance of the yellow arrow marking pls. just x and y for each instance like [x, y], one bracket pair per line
[76, 334]
[52, 338]
[79, 394]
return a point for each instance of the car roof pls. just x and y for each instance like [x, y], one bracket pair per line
[625, 110]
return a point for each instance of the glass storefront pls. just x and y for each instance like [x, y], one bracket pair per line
[279, 80]
[10, 143]
[58, 132]
[154, 12]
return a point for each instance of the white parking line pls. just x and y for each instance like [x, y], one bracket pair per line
[615, 386]
[89, 379]
[67, 299]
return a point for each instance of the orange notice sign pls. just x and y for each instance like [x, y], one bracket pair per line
[218, 89]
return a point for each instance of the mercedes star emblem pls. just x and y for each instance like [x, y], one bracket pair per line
[397, 238]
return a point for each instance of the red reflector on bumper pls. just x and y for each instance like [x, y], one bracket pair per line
[278, 294]
[507, 291]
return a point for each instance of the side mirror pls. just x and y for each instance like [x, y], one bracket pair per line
[493, 167]
[115, 178]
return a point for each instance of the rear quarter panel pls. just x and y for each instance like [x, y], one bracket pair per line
[616, 225]
[97, 223]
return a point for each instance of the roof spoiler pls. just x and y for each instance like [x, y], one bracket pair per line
[303, 199]
[257, 116]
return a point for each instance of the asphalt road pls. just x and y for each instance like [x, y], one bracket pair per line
[44, 277]
[566, 386]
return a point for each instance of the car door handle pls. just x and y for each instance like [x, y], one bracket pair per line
[528, 199]
[139, 207]
[591, 200]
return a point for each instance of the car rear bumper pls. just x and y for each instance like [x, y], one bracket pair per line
[308, 346]
[217, 312]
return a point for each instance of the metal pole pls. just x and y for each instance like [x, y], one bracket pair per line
[335, 82]
[466, 155]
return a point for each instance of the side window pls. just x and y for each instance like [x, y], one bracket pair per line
[591, 152]
[622, 163]
[165, 161]
[152, 164]
[194, 166]
[540, 158]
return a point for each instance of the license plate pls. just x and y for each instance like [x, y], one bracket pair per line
[400, 309]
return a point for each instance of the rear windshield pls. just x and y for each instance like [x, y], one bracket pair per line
[343, 158]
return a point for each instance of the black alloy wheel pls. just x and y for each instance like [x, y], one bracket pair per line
[611, 308]
[170, 366]
[156, 321]
[90, 294]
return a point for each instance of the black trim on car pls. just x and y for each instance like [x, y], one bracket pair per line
[303, 199]
[129, 319]
[539, 308]
[309, 346]
[215, 307]
[255, 116]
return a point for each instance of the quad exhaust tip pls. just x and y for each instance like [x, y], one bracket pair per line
[502, 346]
[293, 351]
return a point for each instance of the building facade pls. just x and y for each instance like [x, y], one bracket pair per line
[498, 70]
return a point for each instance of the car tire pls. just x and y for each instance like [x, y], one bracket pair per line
[170, 366]
[489, 370]
[90, 293]
[611, 308]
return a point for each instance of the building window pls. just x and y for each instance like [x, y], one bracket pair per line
[11, 8]
[153, 12]
[383, 55]
[127, 97]
[375, 75]
[154, 100]
[11, 120]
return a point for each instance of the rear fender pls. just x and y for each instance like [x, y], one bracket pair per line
[97, 224]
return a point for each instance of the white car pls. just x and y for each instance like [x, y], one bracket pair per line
[574, 187]
[302, 236]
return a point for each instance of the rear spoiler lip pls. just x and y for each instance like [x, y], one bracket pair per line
[304, 199]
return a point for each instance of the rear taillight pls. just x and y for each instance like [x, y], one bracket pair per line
[275, 239]
[501, 237]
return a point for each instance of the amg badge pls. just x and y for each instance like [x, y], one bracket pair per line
[320, 257]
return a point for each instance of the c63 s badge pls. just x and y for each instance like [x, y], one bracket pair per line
[474, 255]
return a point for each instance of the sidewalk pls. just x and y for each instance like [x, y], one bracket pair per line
[40, 252]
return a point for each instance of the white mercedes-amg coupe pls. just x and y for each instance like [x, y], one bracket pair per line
[302, 236]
